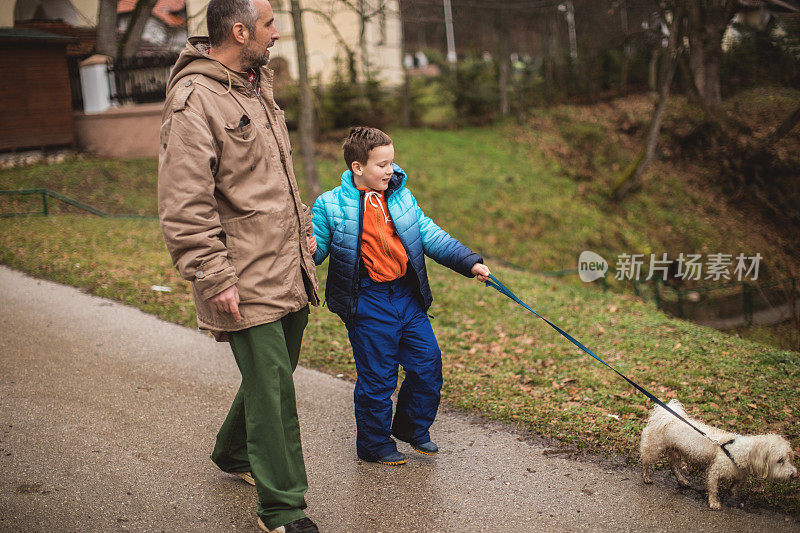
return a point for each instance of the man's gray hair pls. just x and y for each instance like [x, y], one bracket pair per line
[223, 14]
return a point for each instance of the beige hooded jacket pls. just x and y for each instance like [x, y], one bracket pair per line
[228, 201]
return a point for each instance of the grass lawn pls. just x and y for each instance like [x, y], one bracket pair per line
[499, 361]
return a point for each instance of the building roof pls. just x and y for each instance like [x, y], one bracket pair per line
[84, 39]
[170, 12]
[28, 35]
[772, 5]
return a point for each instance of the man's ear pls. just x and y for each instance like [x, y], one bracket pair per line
[357, 168]
[240, 33]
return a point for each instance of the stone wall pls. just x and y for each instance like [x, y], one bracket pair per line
[128, 131]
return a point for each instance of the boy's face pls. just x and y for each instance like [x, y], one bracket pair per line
[376, 172]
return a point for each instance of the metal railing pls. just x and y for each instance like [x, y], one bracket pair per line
[141, 79]
[44, 194]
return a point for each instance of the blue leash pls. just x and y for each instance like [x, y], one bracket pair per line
[502, 289]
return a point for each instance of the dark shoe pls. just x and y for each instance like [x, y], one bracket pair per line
[247, 477]
[303, 525]
[392, 459]
[427, 448]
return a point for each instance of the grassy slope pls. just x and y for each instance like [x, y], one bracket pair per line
[115, 186]
[535, 195]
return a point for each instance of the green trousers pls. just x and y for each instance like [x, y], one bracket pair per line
[261, 433]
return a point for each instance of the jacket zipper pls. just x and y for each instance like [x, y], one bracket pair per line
[355, 290]
[408, 253]
[272, 129]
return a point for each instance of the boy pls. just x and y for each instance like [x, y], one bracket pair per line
[377, 238]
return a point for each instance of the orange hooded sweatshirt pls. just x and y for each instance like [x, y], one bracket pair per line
[381, 249]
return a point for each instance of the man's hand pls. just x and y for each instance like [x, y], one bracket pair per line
[312, 243]
[481, 271]
[227, 302]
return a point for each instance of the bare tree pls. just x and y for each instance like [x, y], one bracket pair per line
[107, 28]
[632, 176]
[784, 127]
[327, 17]
[306, 105]
[501, 20]
[406, 94]
[132, 38]
[707, 21]
[366, 12]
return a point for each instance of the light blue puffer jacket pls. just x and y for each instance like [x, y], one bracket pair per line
[338, 226]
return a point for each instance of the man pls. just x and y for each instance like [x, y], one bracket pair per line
[234, 224]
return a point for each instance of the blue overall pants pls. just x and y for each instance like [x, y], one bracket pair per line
[391, 328]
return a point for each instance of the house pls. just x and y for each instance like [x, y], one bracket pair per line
[759, 15]
[164, 31]
[34, 90]
[332, 32]
[76, 13]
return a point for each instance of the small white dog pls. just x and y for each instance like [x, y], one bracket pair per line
[763, 456]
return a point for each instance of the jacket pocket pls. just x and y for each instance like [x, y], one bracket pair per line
[241, 130]
[261, 252]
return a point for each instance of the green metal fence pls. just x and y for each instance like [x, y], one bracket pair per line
[45, 194]
[727, 305]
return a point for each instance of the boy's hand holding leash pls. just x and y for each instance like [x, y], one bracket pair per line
[481, 271]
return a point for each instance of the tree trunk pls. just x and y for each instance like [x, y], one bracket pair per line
[626, 49]
[306, 106]
[132, 38]
[107, 28]
[623, 75]
[707, 22]
[406, 103]
[784, 128]
[551, 49]
[633, 175]
[406, 95]
[362, 40]
[504, 75]
[652, 71]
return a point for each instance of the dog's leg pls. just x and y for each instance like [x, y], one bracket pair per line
[646, 473]
[676, 463]
[649, 452]
[712, 486]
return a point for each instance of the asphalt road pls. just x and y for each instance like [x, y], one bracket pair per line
[108, 415]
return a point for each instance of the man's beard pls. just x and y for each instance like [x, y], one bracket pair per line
[254, 59]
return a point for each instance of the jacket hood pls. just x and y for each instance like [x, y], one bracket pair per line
[396, 182]
[194, 59]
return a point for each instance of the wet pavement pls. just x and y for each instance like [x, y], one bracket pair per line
[108, 415]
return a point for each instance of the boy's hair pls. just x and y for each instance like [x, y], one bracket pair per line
[359, 143]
